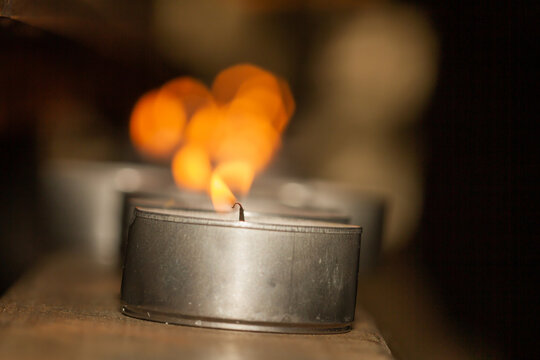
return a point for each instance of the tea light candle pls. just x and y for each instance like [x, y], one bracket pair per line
[266, 273]
[195, 202]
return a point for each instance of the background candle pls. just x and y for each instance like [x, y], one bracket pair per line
[363, 208]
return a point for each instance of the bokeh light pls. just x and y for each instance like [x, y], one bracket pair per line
[205, 127]
[247, 137]
[222, 197]
[191, 92]
[228, 81]
[156, 124]
[220, 138]
[238, 175]
[191, 168]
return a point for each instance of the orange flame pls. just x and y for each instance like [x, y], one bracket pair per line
[238, 175]
[205, 127]
[249, 138]
[222, 197]
[191, 167]
[228, 81]
[192, 93]
[156, 124]
[159, 117]
[229, 134]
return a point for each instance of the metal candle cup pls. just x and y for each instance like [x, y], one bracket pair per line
[262, 274]
[185, 201]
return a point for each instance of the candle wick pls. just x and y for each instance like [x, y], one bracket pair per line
[241, 212]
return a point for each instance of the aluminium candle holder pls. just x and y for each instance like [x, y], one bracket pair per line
[263, 274]
[194, 202]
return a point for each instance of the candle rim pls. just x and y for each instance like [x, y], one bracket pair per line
[309, 213]
[304, 226]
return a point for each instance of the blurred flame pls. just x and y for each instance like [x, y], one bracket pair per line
[249, 138]
[238, 175]
[205, 127]
[228, 81]
[222, 197]
[191, 167]
[192, 93]
[288, 101]
[156, 124]
[232, 131]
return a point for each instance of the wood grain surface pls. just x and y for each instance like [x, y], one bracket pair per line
[68, 307]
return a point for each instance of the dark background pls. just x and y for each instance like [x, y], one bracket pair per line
[481, 191]
[480, 188]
